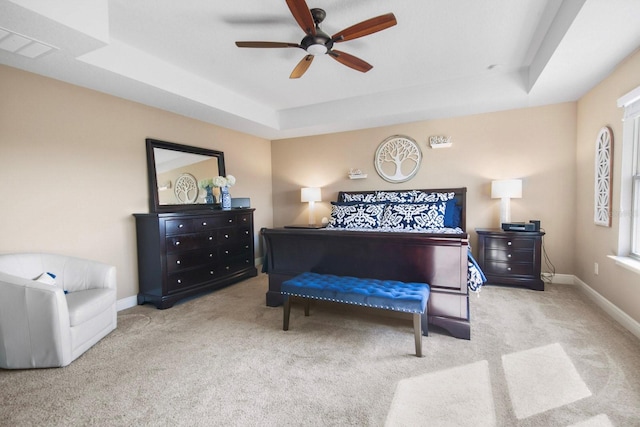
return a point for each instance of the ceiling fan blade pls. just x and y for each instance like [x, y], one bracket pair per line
[350, 61]
[301, 68]
[266, 44]
[365, 28]
[302, 15]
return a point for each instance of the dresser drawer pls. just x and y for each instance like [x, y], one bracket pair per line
[210, 223]
[508, 256]
[234, 264]
[230, 251]
[234, 235]
[186, 260]
[180, 281]
[508, 269]
[185, 242]
[507, 243]
[178, 226]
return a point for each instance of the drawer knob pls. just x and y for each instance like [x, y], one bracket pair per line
[246, 232]
[226, 252]
[230, 220]
[210, 237]
[181, 225]
[244, 219]
[508, 255]
[509, 243]
[178, 262]
[226, 236]
[227, 268]
[179, 281]
[211, 272]
[210, 255]
[508, 268]
[204, 223]
[246, 246]
[177, 243]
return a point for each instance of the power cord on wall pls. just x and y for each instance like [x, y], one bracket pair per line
[547, 277]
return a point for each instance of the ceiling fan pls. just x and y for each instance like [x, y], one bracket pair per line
[317, 42]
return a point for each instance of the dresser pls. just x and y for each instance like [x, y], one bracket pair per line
[184, 253]
[511, 257]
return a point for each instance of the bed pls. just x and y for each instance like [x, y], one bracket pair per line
[409, 235]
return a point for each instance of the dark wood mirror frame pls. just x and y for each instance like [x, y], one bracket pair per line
[154, 199]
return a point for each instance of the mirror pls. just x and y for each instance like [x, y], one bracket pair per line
[174, 173]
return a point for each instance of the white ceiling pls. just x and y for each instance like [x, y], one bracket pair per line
[445, 58]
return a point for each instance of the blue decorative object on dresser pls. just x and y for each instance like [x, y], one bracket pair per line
[226, 197]
[209, 199]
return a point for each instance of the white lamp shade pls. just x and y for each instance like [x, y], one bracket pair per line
[506, 188]
[310, 194]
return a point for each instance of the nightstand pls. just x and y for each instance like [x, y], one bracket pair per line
[511, 257]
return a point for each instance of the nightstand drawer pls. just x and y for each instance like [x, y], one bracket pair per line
[510, 256]
[506, 243]
[508, 269]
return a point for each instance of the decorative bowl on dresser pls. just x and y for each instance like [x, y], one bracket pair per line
[511, 257]
[188, 245]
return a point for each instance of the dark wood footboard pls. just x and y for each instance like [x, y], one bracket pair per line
[439, 260]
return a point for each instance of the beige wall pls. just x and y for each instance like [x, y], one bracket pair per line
[535, 144]
[593, 243]
[73, 169]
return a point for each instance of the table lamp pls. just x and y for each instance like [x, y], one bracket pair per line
[505, 190]
[311, 195]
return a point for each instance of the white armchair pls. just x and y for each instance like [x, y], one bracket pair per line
[41, 326]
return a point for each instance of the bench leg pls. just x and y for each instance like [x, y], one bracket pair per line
[425, 323]
[286, 310]
[417, 331]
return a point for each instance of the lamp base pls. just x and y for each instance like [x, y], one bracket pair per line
[505, 210]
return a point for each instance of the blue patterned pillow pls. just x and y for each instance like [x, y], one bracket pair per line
[422, 196]
[395, 196]
[412, 216]
[359, 197]
[354, 215]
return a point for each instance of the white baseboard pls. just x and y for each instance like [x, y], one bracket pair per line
[611, 309]
[562, 279]
[128, 302]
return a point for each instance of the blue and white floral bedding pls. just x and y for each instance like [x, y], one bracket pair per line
[412, 211]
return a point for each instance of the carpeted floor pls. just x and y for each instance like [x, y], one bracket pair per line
[535, 359]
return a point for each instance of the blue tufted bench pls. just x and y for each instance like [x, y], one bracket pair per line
[384, 294]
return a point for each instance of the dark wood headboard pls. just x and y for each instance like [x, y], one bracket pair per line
[460, 196]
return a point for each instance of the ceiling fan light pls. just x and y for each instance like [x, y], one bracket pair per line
[317, 49]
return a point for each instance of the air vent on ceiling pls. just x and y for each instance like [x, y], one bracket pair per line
[23, 45]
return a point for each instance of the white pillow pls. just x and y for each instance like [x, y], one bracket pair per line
[48, 278]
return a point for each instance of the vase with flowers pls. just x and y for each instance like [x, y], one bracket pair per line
[207, 186]
[224, 182]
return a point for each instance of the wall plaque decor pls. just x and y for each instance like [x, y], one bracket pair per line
[603, 172]
[398, 158]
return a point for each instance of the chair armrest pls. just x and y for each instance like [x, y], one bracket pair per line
[81, 274]
[34, 324]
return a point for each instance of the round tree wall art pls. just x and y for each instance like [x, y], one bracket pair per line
[603, 172]
[398, 158]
